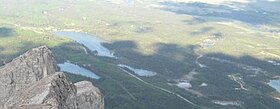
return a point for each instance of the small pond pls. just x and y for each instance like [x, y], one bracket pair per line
[275, 84]
[75, 69]
[140, 72]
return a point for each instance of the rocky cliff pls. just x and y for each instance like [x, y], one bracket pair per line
[31, 81]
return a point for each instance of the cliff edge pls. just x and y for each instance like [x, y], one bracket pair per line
[32, 81]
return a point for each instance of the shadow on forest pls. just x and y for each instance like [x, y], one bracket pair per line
[217, 73]
[255, 13]
[6, 32]
[161, 61]
[165, 61]
[169, 59]
[172, 61]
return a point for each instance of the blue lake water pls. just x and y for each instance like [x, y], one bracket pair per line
[275, 84]
[75, 69]
[140, 72]
[90, 41]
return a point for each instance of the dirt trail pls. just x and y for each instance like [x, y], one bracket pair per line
[160, 88]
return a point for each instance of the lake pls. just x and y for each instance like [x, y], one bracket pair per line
[90, 41]
[140, 72]
[75, 69]
[275, 84]
[225, 103]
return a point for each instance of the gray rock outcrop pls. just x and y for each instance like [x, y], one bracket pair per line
[31, 81]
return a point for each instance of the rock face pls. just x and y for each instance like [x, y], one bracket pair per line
[31, 81]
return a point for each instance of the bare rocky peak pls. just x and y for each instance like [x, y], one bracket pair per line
[31, 81]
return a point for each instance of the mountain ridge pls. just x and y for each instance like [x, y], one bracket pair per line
[32, 81]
